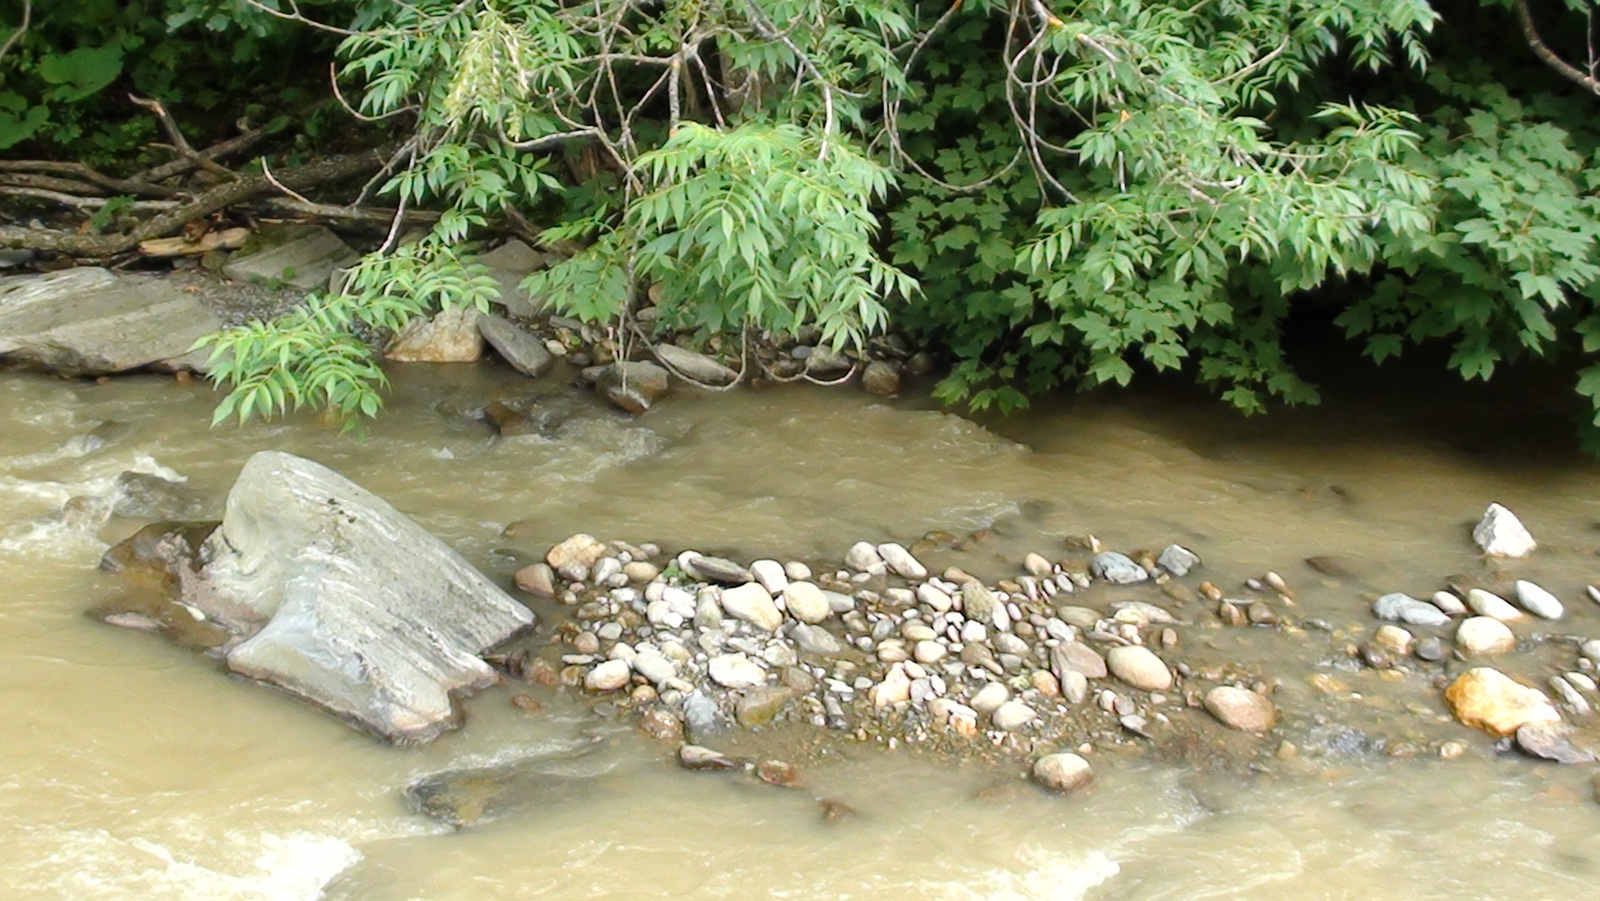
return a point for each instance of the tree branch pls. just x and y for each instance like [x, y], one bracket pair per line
[1543, 51]
[22, 29]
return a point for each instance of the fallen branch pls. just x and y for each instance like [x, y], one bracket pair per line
[353, 213]
[78, 201]
[139, 187]
[204, 204]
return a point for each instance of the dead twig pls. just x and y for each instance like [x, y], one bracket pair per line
[134, 186]
[22, 29]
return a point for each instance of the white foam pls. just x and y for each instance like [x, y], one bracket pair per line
[1046, 876]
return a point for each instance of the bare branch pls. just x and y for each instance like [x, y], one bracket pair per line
[1543, 51]
[294, 15]
[81, 202]
[27, 18]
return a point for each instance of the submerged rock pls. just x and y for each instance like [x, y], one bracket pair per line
[635, 387]
[469, 797]
[1118, 568]
[301, 256]
[1241, 708]
[1399, 607]
[1501, 534]
[1558, 742]
[1485, 698]
[1062, 772]
[338, 598]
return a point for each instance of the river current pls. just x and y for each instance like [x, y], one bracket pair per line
[133, 769]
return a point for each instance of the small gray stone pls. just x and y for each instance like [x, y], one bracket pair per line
[1178, 560]
[1407, 609]
[815, 640]
[633, 386]
[736, 671]
[1118, 568]
[882, 378]
[696, 366]
[1076, 657]
[525, 352]
[718, 569]
[1559, 742]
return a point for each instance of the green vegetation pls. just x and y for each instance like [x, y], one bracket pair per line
[1055, 192]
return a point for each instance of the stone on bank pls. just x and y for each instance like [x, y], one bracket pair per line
[338, 598]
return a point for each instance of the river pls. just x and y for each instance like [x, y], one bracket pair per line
[133, 769]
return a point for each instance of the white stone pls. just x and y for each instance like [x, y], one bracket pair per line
[806, 602]
[1501, 534]
[1449, 603]
[894, 689]
[771, 575]
[1487, 603]
[751, 603]
[1036, 565]
[796, 571]
[1062, 772]
[990, 697]
[736, 671]
[863, 557]
[1139, 667]
[1483, 635]
[929, 651]
[1012, 715]
[1537, 601]
[934, 597]
[608, 676]
[901, 562]
[655, 667]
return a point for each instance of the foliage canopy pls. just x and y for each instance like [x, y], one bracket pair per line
[1056, 192]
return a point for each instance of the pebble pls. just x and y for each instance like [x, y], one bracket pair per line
[1449, 603]
[900, 561]
[990, 697]
[1062, 772]
[1580, 680]
[1429, 648]
[1117, 568]
[1402, 607]
[1074, 687]
[929, 652]
[934, 598]
[640, 571]
[894, 689]
[1537, 601]
[697, 757]
[736, 671]
[1558, 742]
[1241, 709]
[1569, 696]
[1139, 667]
[1012, 715]
[573, 557]
[1036, 565]
[1591, 649]
[980, 604]
[1178, 560]
[537, 579]
[1487, 603]
[864, 557]
[1075, 656]
[715, 569]
[1485, 698]
[797, 571]
[771, 575]
[1484, 636]
[806, 602]
[1501, 534]
[1394, 639]
[751, 603]
[1141, 613]
[608, 676]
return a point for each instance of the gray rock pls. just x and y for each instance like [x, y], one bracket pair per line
[1076, 657]
[1074, 687]
[524, 351]
[340, 599]
[635, 387]
[1062, 772]
[142, 495]
[980, 604]
[449, 336]
[469, 797]
[1569, 696]
[702, 718]
[882, 378]
[1449, 603]
[696, 366]
[1399, 607]
[825, 362]
[718, 569]
[508, 265]
[1141, 613]
[989, 698]
[1559, 742]
[88, 321]
[815, 640]
[697, 757]
[1501, 534]
[1178, 560]
[301, 256]
[1537, 601]
[1118, 568]
[1139, 667]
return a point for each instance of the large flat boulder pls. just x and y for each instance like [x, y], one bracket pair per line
[89, 321]
[344, 601]
[300, 256]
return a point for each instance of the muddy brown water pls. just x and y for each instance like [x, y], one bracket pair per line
[130, 768]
